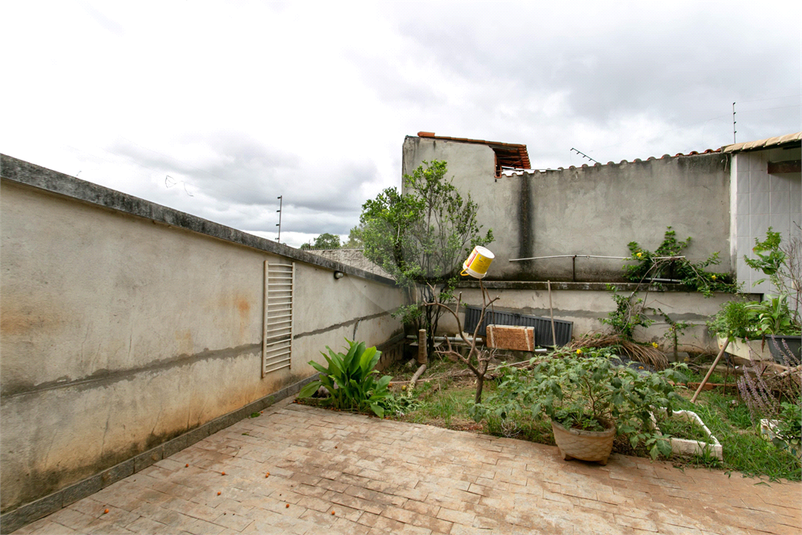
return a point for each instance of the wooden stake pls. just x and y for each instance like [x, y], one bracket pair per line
[710, 371]
[422, 357]
[551, 310]
[417, 375]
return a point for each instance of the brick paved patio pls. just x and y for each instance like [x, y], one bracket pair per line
[334, 472]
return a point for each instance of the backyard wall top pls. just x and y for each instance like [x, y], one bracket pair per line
[28, 174]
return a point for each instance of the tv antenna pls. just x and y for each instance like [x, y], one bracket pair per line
[583, 155]
[280, 204]
[734, 131]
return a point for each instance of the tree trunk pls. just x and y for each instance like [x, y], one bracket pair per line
[480, 383]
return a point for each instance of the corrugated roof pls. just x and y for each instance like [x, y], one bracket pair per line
[764, 143]
[508, 155]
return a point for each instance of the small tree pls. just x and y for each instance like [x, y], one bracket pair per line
[421, 236]
[324, 241]
[354, 239]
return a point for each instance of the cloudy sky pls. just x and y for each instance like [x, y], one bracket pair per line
[217, 108]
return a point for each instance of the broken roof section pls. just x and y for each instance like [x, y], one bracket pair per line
[768, 143]
[509, 156]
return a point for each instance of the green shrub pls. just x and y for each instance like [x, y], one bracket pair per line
[585, 392]
[668, 262]
[349, 378]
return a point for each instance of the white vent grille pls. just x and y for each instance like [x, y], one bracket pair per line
[277, 331]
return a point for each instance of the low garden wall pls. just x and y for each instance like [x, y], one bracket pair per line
[586, 304]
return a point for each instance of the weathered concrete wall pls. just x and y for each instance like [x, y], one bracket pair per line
[125, 324]
[586, 304]
[588, 210]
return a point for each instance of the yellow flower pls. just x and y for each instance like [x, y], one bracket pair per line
[578, 351]
[639, 255]
[713, 277]
[654, 345]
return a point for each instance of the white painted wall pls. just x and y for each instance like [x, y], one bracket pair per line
[760, 201]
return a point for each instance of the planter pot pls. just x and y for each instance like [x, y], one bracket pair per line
[767, 432]
[790, 345]
[583, 445]
[681, 446]
[749, 350]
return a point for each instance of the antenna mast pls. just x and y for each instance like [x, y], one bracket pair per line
[734, 131]
[280, 204]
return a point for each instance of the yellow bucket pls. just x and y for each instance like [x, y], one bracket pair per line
[478, 263]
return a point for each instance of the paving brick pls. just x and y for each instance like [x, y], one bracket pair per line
[457, 517]
[465, 483]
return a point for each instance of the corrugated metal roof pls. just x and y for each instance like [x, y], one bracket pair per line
[764, 143]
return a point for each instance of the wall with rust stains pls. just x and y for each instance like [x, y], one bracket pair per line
[124, 324]
[589, 210]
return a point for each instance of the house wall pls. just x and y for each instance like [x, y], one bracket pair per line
[593, 210]
[126, 324]
[761, 200]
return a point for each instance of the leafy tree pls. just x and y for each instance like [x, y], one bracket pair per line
[354, 239]
[324, 241]
[421, 236]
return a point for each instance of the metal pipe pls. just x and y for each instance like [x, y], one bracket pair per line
[591, 256]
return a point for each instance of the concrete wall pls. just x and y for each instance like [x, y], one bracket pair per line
[760, 200]
[588, 210]
[125, 324]
[586, 304]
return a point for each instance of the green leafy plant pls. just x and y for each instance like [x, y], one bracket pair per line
[772, 316]
[630, 312]
[667, 263]
[349, 379]
[783, 267]
[588, 392]
[789, 424]
[421, 236]
[735, 319]
[399, 404]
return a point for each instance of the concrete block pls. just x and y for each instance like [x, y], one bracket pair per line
[175, 445]
[511, 337]
[82, 489]
[117, 472]
[146, 459]
[31, 512]
[196, 435]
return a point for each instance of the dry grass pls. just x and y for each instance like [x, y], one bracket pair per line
[641, 353]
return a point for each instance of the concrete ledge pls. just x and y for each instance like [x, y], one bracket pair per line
[42, 507]
[578, 286]
[28, 174]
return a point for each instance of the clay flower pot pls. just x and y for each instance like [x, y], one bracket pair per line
[584, 445]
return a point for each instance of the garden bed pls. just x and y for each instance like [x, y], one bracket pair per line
[688, 435]
[443, 394]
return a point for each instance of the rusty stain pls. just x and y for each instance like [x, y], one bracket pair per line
[243, 306]
[22, 321]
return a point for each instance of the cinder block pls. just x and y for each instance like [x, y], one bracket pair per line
[511, 337]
